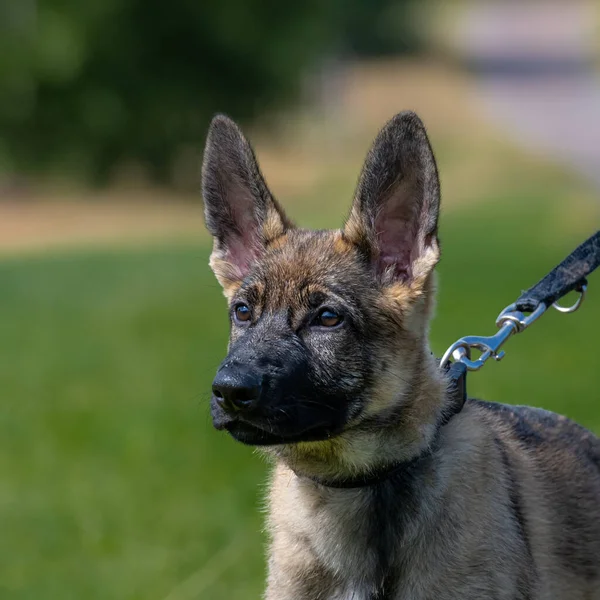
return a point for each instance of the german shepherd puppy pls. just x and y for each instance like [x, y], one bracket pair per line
[374, 494]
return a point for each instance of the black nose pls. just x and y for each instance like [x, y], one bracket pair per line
[236, 389]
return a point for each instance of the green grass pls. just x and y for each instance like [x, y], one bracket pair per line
[113, 484]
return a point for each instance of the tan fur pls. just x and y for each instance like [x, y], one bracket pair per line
[354, 230]
[341, 244]
[278, 242]
[273, 226]
[225, 273]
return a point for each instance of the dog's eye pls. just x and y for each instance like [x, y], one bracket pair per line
[328, 318]
[242, 313]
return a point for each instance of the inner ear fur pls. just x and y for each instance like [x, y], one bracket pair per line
[394, 215]
[240, 212]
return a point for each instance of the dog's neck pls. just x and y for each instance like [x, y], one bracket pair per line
[371, 446]
[356, 518]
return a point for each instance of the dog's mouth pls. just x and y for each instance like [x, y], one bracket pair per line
[261, 435]
[269, 431]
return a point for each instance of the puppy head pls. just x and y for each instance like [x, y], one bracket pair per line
[327, 327]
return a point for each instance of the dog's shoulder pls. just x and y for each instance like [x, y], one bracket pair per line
[551, 467]
[540, 431]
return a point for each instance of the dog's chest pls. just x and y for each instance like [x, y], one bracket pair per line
[341, 536]
[359, 543]
[367, 545]
[354, 537]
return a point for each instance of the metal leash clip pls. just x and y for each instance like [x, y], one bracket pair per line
[510, 321]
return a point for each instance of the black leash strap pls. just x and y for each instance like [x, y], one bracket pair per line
[569, 275]
[457, 390]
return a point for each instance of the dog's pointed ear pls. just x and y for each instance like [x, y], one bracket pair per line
[395, 212]
[240, 211]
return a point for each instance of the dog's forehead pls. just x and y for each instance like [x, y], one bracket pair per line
[302, 264]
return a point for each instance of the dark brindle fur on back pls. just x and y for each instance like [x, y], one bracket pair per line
[330, 372]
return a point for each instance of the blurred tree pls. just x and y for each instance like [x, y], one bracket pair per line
[91, 85]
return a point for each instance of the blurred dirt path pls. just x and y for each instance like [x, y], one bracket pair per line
[314, 154]
[312, 163]
[36, 223]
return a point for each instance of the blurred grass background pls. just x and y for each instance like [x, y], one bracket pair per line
[113, 484]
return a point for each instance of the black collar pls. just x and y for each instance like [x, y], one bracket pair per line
[457, 393]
